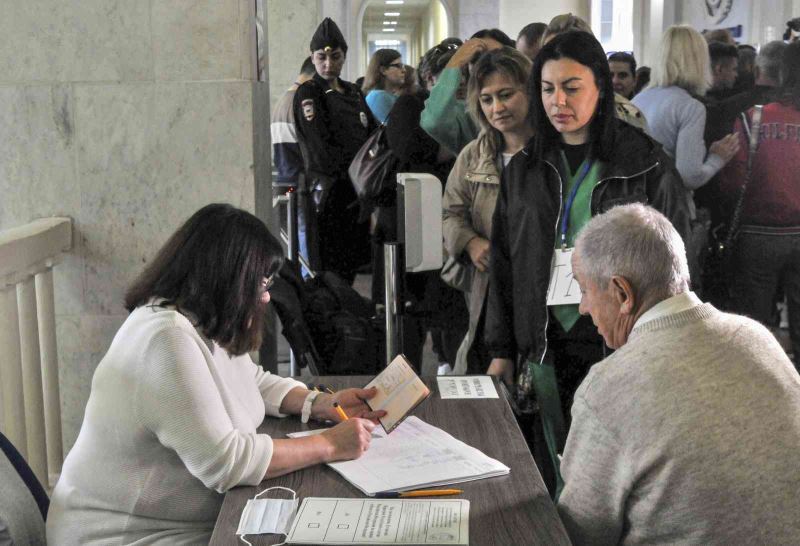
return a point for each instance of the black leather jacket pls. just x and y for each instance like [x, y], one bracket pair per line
[525, 228]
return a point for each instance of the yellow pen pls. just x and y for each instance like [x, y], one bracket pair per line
[340, 411]
[418, 493]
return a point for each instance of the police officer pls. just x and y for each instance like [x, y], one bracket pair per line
[333, 121]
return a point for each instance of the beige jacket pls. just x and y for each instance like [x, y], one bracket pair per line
[468, 206]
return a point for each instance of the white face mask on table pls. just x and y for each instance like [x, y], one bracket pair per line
[262, 516]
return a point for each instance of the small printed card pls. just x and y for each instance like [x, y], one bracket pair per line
[466, 386]
[563, 288]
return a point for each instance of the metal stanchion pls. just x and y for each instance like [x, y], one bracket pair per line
[293, 245]
[392, 269]
[291, 225]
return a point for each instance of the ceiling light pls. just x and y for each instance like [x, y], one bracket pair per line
[395, 2]
[390, 22]
[388, 30]
[392, 14]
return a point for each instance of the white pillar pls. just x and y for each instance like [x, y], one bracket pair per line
[11, 370]
[32, 379]
[45, 307]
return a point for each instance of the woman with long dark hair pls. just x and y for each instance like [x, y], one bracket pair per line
[171, 420]
[580, 162]
[384, 81]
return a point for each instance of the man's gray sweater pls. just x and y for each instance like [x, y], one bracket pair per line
[688, 434]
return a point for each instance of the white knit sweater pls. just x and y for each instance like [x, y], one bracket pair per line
[170, 425]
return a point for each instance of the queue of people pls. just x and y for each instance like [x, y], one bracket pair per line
[665, 419]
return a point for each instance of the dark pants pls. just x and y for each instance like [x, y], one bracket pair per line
[572, 354]
[335, 239]
[764, 259]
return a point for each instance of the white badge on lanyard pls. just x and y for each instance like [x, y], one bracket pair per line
[262, 516]
[563, 288]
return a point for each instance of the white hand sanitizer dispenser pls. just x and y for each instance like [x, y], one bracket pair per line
[419, 220]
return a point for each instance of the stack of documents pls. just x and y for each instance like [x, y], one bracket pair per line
[415, 456]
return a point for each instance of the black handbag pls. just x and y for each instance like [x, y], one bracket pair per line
[373, 171]
[717, 270]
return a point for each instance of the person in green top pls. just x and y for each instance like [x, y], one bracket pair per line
[581, 161]
[445, 116]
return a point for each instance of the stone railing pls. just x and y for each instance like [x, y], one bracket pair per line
[30, 408]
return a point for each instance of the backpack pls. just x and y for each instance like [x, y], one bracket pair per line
[329, 326]
[350, 338]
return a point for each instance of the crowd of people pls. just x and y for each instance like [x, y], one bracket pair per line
[665, 419]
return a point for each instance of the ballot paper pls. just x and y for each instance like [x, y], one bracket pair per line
[466, 386]
[415, 456]
[400, 390]
[372, 521]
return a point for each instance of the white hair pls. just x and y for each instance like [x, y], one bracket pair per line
[683, 61]
[638, 243]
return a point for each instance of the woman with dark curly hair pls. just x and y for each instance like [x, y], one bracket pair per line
[175, 403]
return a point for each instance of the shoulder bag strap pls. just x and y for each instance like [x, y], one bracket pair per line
[753, 131]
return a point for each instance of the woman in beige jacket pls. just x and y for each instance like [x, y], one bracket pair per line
[497, 100]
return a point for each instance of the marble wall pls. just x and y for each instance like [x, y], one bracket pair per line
[127, 117]
[515, 14]
[291, 24]
[474, 15]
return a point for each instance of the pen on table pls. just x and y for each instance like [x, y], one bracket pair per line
[419, 493]
[340, 411]
[325, 388]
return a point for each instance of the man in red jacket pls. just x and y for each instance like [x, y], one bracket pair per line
[767, 250]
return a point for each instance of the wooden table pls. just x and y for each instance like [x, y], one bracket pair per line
[509, 510]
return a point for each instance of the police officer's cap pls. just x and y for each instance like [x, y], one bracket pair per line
[328, 37]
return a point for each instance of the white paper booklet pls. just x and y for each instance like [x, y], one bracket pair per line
[400, 390]
[466, 386]
[415, 456]
[369, 521]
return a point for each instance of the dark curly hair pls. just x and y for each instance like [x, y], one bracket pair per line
[211, 268]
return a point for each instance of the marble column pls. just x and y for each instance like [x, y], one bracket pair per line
[126, 117]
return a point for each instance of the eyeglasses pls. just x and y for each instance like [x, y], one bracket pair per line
[395, 65]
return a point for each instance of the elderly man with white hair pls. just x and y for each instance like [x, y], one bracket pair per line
[689, 432]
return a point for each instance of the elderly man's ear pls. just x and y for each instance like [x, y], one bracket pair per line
[622, 292]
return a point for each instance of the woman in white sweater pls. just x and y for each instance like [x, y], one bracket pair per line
[675, 117]
[171, 420]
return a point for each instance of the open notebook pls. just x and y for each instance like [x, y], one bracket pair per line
[415, 456]
[400, 390]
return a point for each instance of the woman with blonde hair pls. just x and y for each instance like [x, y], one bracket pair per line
[386, 76]
[676, 116]
[498, 102]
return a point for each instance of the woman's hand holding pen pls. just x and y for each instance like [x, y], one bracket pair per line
[352, 401]
[349, 439]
